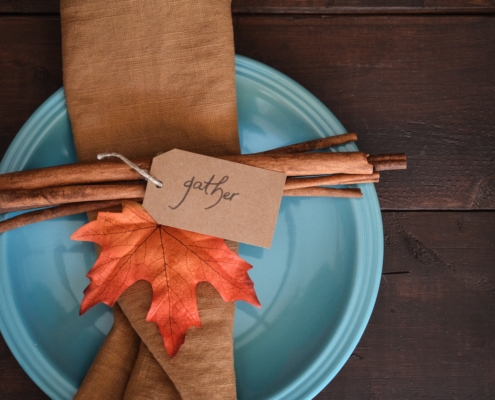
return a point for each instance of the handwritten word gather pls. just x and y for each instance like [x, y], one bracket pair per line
[215, 190]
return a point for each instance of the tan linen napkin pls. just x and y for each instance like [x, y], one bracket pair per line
[143, 77]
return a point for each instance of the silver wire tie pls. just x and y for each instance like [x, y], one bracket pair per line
[140, 171]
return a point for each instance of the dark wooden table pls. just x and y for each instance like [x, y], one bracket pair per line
[412, 75]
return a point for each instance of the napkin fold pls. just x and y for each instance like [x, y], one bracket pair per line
[143, 77]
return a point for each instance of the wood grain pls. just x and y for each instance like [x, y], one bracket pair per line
[30, 69]
[15, 384]
[432, 332]
[30, 6]
[420, 85]
[349, 7]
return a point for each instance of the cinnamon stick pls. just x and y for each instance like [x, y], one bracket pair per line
[324, 192]
[72, 174]
[301, 164]
[17, 200]
[55, 212]
[312, 145]
[338, 179]
[386, 162]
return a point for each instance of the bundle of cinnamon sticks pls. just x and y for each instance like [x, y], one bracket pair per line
[75, 188]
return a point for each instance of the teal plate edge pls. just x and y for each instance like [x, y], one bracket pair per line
[345, 340]
[370, 253]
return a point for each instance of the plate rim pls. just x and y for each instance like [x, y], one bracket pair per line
[316, 377]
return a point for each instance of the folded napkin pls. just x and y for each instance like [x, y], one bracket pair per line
[143, 77]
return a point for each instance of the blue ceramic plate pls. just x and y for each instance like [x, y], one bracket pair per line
[317, 284]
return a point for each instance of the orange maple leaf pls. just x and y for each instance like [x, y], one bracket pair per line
[174, 261]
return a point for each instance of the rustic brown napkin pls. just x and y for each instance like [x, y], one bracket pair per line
[143, 77]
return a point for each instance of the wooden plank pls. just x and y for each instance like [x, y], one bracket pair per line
[333, 7]
[30, 6]
[303, 7]
[30, 69]
[432, 332]
[14, 382]
[421, 85]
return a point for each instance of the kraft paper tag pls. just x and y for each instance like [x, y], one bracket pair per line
[215, 197]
